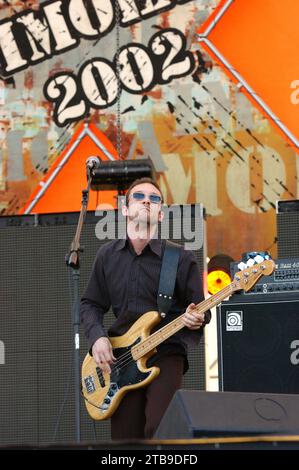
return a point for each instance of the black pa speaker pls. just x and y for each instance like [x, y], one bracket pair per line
[194, 414]
[37, 399]
[258, 345]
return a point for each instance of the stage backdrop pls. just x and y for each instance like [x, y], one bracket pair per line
[145, 79]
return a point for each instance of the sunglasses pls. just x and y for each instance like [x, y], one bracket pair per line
[154, 198]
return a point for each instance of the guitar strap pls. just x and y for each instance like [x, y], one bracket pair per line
[168, 273]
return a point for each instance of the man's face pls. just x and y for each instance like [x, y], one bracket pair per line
[144, 205]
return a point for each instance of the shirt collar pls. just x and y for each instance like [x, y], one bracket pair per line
[120, 244]
[155, 245]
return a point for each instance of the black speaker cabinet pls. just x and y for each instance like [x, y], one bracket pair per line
[258, 345]
[193, 414]
[36, 334]
[287, 222]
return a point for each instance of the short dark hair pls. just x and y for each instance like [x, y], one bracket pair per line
[142, 181]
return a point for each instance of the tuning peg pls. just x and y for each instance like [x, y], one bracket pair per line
[250, 262]
[242, 266]
[259, 259]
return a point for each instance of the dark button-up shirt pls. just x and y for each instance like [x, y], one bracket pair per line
[129, 283]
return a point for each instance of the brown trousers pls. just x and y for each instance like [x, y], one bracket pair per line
[141, 410]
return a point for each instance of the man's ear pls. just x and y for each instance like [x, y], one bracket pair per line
[124, 210]
[161, 216]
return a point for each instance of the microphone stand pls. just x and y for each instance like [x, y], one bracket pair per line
[73, 263]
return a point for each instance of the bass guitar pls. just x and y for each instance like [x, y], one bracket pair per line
[103, 392]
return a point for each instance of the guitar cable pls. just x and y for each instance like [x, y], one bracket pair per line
[64, 399]
[68, 383]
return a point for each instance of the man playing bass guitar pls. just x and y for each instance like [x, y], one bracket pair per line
[125, 276]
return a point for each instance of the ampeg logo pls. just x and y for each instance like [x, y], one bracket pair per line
[234, 321]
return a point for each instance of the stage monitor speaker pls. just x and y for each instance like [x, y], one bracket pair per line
[194, 414]
[287, 222]
[36, 334]
[258, 345]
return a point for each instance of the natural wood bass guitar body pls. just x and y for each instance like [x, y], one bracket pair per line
[127, 373]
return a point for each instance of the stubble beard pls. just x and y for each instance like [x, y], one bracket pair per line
[141, 227]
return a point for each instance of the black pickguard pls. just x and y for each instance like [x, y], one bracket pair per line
[125, 371]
